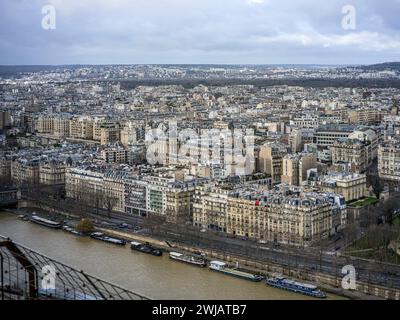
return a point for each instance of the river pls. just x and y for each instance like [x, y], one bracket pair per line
[155, 277]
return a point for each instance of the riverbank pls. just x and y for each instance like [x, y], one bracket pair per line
[326, 282]
[256, 267]
[154, 277]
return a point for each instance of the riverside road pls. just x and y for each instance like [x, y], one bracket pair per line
[307, 259]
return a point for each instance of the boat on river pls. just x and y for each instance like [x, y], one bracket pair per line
[188, 258]
[72, 230]
[295, 286]
[146, 248]
[45, 222]
[107, 238]
[220, 266]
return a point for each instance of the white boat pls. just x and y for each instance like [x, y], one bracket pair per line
[45, 222]
[220, 266]
[187, 258]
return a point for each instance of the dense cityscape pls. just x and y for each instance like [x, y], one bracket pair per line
[199, 158]
[279, 166]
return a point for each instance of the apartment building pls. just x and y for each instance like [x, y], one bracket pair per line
[81, 128]
[366, 116]
[61, 127]
[5, 167]
[82, 182]
[135, 196]
[109, 133]
[25, 171]
[326, 135]
[294, 167]
[305, 121]
[371, 140]
[97, 123]
[270, 160]
[351, 151]
[5, 120]
[114, 190]
[351, 186]
[170, 197]
[389, 161]
[391, 127]
[114, 154]
[44, 124]
[296, 218]
[178, 202]
[52, 172]
[210, 207]
[156, 187]
[129, 135]
[296, 140]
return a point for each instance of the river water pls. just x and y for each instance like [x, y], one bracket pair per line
[155, 277]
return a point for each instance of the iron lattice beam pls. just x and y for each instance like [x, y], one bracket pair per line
[21, 270]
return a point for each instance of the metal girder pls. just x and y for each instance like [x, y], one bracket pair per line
[25, 263]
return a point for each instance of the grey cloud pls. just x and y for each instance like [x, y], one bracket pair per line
[198, 31]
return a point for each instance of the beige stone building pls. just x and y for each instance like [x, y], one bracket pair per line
[178, 203]
[97, 123]
[210, 206]
[81, 128]
[270, 160]
[389, 161]
[52, 173]
[44, 124]
[128, 135]
[290, 170]
[61, 127]
[351, 186]
[97, 187]
[274, 216]
[109, 133]
[366, 116]
[294, 167]
[370, 138]
[80, 182]
[114, 191]
[351, 151]
[295, 220]
[25, 172]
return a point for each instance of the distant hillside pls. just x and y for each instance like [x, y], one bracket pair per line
[10, 71]
[383, 66]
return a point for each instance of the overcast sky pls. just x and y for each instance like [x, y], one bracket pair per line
[199, 31]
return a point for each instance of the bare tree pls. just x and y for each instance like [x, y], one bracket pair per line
[109, 203]
[350, 233]
[97, 200]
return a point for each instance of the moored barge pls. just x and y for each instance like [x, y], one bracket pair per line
[295, 286]
[45, 222]
[188, 258]
[106, 238]
[222, 267]
[146, 248]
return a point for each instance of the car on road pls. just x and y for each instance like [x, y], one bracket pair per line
[123, 225]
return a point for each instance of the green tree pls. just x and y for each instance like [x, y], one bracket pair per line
[85, 226]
